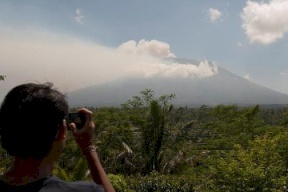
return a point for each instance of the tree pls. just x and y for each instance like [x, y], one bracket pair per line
[149, 115]
[285, 121]
[152, 135]
[260, 167]
[114, 135]
[234, 125]
[78, 172]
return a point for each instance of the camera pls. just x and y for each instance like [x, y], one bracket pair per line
[78, 118]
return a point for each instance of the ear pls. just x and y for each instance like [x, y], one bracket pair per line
[62, 131]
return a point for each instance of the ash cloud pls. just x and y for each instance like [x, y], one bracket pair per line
[72, 64]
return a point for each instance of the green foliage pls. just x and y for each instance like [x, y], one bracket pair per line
[79, 171]
[285, 120]
[71, 153]
[149, 115]
[232, 125]
[119, 183]
[71, 166]
[5, 160]
[152, 135]
[161, 183]
[113, 134]
[225, 148]
[260, 167]
[147, 145]
[61, 173]
[145, 99]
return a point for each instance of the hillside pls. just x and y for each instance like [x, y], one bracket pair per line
[221, 88]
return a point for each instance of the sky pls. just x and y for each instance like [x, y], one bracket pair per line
[76, 43]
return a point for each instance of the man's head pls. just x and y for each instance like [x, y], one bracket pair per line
[30, 117]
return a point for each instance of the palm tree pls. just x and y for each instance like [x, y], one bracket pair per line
[152, 136]
[79, 172]
[144, 142]
[149, 115]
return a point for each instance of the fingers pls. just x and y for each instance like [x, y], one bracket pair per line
[64, 124]
[72, 127]
[85, 135]
[84, 110]
[88, 113]
[88, 124]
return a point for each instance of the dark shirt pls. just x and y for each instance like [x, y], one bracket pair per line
[52, 184]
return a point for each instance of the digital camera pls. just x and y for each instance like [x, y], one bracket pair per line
[78, 118]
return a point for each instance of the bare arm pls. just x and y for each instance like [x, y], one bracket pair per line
[97, 171]
[85, 139]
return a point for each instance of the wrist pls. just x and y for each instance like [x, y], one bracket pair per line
[91, 148]
[88, 149]
[84, 143]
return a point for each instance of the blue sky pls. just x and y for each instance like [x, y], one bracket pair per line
[248, 38]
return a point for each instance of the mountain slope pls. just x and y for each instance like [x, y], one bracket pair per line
[221, 88]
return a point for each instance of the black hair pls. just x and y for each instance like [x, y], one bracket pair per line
[30, 116]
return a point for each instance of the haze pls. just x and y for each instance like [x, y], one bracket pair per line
[81, 44]
[73, 64]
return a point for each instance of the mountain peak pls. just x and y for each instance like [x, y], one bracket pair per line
[221, 87]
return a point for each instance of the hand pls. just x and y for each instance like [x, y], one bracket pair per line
[84, 136]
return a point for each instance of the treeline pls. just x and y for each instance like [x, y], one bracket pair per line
[147, 145]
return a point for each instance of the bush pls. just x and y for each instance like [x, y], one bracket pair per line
[160, 183]
[118, 182]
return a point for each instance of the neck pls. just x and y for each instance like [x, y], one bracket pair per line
[26, 171]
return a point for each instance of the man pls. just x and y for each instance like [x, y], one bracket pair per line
[33, 131]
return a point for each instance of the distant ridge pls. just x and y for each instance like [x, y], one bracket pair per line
[221, 88]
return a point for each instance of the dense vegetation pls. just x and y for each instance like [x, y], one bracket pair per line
[147, 145]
